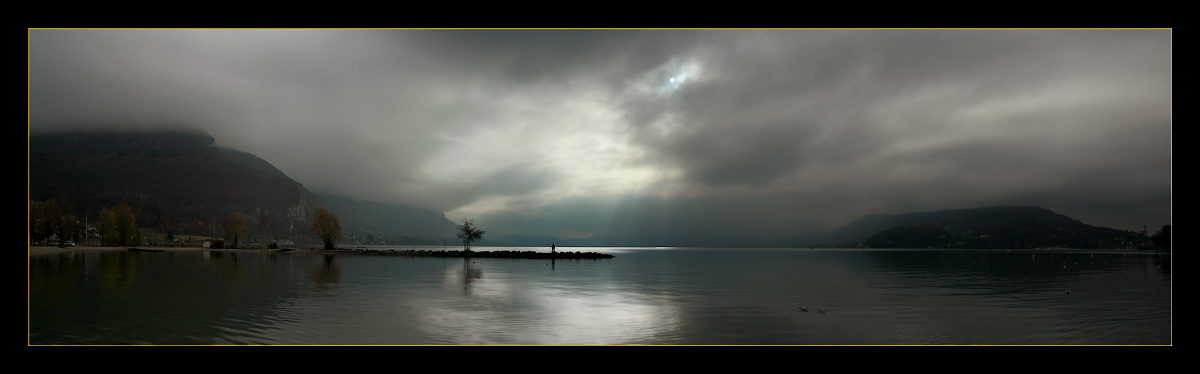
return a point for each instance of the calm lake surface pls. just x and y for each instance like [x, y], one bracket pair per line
[643, 296]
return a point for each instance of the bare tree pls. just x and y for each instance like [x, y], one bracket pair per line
[469, 233]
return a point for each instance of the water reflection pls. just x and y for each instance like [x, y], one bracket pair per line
[469, 275]
[641, 297]
[326, 275]
[55, 277]
[512, 309]
[118, 270]
[1162, 263]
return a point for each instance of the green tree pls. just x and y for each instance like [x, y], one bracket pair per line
[53, 219]
[39, 228]
[327, 227]
[62, 218]
[234, 229]
[127, 230]
[469, 233]
[109, 236]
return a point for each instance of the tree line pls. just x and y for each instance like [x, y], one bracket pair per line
[47, 219]
[1162, 238]
[117, 226]
[51, 219]
[324, 224]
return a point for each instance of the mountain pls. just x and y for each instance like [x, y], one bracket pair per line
[172, 180]
[179, 180]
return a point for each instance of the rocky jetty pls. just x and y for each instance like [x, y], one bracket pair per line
[477, 254]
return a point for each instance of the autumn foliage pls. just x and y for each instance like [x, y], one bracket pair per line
[327, 227]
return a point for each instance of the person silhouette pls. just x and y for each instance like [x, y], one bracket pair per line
[551, 247]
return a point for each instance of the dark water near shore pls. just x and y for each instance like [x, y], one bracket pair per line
[643, 296]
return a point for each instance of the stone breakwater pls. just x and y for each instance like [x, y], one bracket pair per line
[477, 254]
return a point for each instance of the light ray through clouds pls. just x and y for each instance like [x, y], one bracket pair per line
[578, 132]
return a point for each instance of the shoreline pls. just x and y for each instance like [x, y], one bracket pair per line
[45, 250]
[42, 250]
[564, 255]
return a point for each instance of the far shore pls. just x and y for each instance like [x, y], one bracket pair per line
[42, 250]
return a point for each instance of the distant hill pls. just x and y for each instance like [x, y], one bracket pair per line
[859, 230]
[998, 227]
[1003, 227]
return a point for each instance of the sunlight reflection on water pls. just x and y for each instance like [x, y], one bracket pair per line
[643, 296]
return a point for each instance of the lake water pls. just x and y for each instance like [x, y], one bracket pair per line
[642, 296]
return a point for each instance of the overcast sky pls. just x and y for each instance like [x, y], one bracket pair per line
[571, 133]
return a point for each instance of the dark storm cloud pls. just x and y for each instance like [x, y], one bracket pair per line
[577, 132]
[827, 83]
[551, 57]
[330, 108]
[930, 119]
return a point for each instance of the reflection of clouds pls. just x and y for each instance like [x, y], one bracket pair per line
[508, 312]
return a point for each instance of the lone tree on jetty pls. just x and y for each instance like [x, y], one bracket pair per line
[468, 233]
[327, 227]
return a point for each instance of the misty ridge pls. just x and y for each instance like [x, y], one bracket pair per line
[181, 181]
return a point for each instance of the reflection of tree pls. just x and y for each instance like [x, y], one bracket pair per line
[117, 270]
[46, 273]
[470, 275]
[229, 268]
[327, 275]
